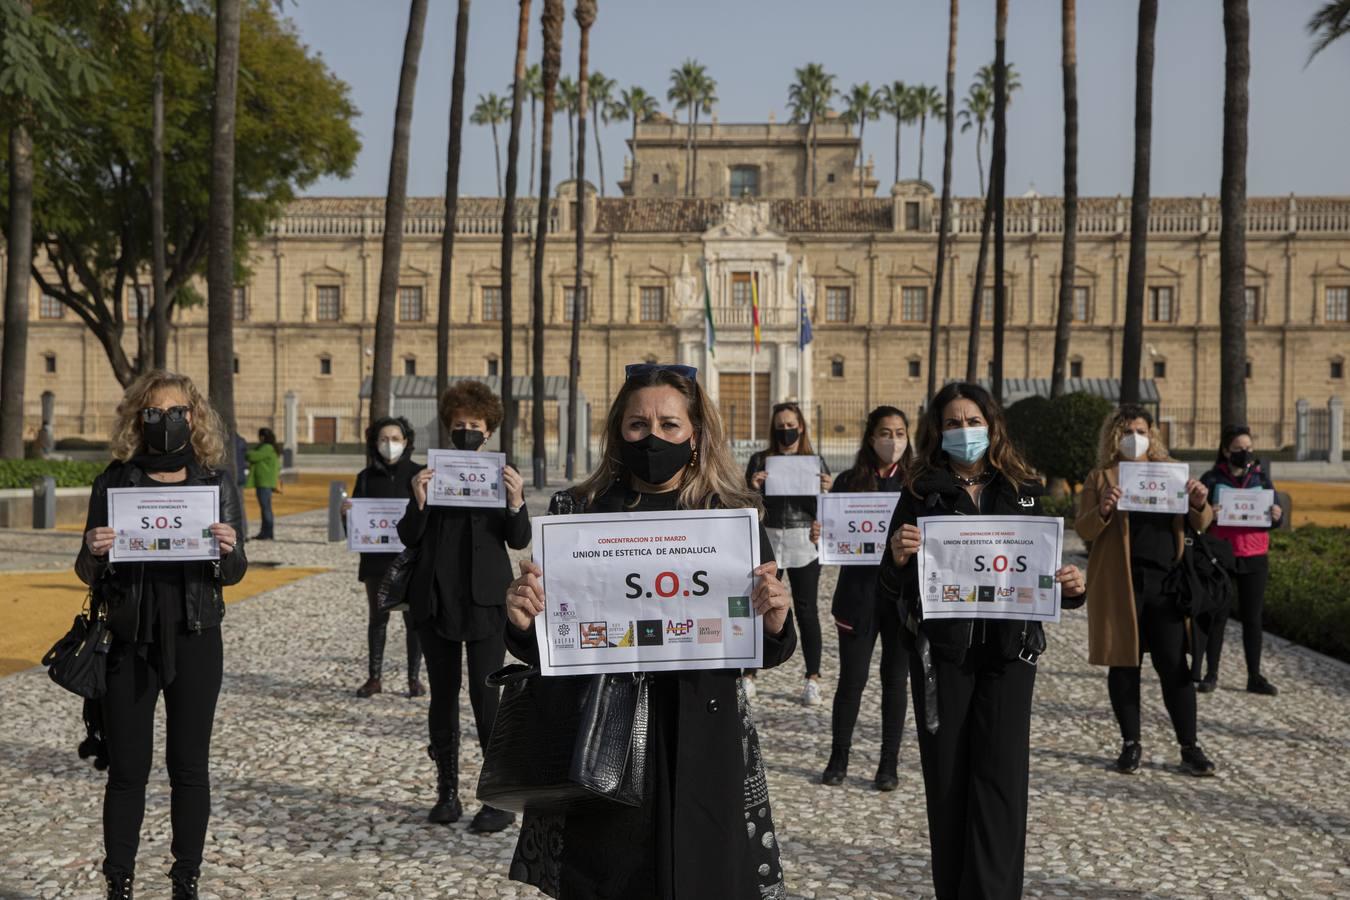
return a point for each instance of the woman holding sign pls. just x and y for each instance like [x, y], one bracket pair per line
[972, 680]
[1238, 469]
[1129, 613]
[164, 616]
[861, 616]
[791, 523]
[704, 828]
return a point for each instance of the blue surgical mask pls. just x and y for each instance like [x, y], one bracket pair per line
[966, 445]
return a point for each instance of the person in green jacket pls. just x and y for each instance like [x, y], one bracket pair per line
[264, 475]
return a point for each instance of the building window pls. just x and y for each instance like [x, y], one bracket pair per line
[1079, 311]
[240, 303]
[653, 303]
[915, 368]
[1160, 304]
[914, 304]
[1247, 370]
[740, 288]
[329, 307]
[410, 304]
[987, 305]
[1337, 369]
[829, 178]
[1338, 304]
[837, 367]
[656, 178]
[410, 366]
[50, 308]
[325, 365]
[1075, 368]
[1251, 297]
[492, 304]
[234, 365]
[49, 363]
[911, 215]
[569, 295]
[745, 181]
[838, 304]
[492, 369]
[1159, 368]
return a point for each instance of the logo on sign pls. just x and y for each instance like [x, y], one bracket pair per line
[564, 637]
[649, 633]
[629, 634]
[566, 611]
[737, 630]
[710, 631]
[738, 607]
[986, 594]
[951, 593]
[1026, 595]
[1046, 582]
[680, 632]
[594, 634]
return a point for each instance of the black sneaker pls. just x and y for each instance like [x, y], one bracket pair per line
[489, 820]
[836, 769]
[1131, 752]
[1195, 762]
[1207, 685]
[1257, 684]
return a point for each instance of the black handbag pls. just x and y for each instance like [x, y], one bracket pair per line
[563, 745]
[78, 662]
[392, 594]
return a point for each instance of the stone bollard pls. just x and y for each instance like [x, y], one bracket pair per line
[1302, 451]
[44, 502]
[1336, 425]
[337, 495]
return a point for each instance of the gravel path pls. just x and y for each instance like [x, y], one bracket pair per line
[318, 794]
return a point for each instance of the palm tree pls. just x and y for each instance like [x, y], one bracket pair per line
[1069, 243]
[975, 112]
[585, 15]
[508, 430]
[451, 212]
[220, 256]
[693, 91]
[552, 20]
[569, 93]
[704, 99]
[395, 201]
[639, 106]
[861, 103]
[945, 218]
[809, 98]
[534, 89]
[600, 94]
[1003, 88]
[1233, 203]
[159, 309]
[927, 102]
[1330, 23]
[492, 110]
[1132, 340]
[897, 100]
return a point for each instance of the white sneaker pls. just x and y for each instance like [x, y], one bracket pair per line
[811, 693]
[749, 684]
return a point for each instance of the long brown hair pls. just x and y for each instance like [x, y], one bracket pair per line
[208, 432]
[1002, 454]
[803, 441]
[1113, 429]
[712, 477]
[866, 463]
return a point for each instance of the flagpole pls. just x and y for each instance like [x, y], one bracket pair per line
[754, 351]
[800, 299]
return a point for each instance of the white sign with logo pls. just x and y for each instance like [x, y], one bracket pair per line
[792, 476]
[170, 524]
[1244, 507]
[648, 591]
[466, 478]
[372, 525]
[1153, 487]
[997, 567]
[853, 527]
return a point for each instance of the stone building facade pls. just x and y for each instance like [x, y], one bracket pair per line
[862, 267]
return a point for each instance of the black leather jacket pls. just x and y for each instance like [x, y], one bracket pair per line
[783, 512]
[120, 583]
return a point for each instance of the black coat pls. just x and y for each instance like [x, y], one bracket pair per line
[383, 482]
[204, 601]
[854, 606]
[779, 511]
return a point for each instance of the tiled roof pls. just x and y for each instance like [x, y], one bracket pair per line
[832, 215]
[624, 215]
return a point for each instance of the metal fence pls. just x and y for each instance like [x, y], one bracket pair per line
[1184, 428]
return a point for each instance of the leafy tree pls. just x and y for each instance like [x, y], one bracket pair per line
[1059, 437]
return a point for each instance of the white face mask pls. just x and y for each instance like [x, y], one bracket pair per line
[391, 450]
[889, 450]
[1133, 446]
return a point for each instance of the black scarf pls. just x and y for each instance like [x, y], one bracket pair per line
[164, 462]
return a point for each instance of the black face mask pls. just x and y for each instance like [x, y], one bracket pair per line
[1240, 458]
[653, 460]
[166, 435]
[786, 436]
[467, 438]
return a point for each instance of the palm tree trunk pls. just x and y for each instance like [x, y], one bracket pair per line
[998, 181]
[977, 298]
[159, 309]
[811, 140]
[396, 199]
[508, 430]
[599, 151]
[693, 166]
[689, 154]
[571, 148]
[220, 255]
[1131, 352]
[445, 287]
[534, 121]
[944, 219]
[585, 15]
[19, 251]
[552, 19]
[497, 155]
[1233, 199]
[897, 148]
[923, 128]
[862, 127]
[1069, 245]
[979, 157]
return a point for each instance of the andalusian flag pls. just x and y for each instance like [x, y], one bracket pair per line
[754, 306]
[709, 332]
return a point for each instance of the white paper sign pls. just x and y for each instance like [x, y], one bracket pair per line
[853, 527]
[372, 525]
[466, 478]
[997, 567]
[170, 524]
[1244, 507]
[1153, 487]
[648, 592]
[792, 476]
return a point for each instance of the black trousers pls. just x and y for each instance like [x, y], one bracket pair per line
[855, 663]
[444, 674]
[377, 630]
[1252, 574]
[1162, 633]
[975, 771]
[129, 725]
[805, 581]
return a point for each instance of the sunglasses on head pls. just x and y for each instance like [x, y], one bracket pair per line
[636, 370]
[152, 415]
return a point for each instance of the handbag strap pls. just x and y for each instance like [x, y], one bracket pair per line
[516, 672]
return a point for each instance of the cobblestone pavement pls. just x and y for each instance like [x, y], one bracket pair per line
[321, 795]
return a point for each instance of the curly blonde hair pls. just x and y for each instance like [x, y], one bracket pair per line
[208, 432]
[1113, 429]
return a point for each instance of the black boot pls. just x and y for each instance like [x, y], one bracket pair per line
[447, 808]
[489, 820]
[888, 775]
[119, 886]
[836, 768]
[184, 885]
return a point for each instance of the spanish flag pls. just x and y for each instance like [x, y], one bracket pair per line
[754, 306]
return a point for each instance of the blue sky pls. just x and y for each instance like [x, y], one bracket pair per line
[1299, 120]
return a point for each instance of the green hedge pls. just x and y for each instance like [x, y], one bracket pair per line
[1308, 598]
[21, 473]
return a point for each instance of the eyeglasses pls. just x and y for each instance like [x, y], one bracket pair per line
[152, 415]
[635, 370]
